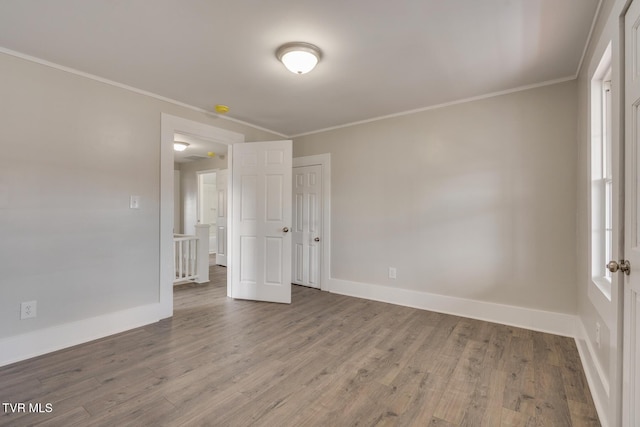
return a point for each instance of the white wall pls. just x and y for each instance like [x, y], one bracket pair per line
[73, 151]
[475, 200]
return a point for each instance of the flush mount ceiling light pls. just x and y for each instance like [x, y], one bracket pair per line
[179, 145]
[298, 57]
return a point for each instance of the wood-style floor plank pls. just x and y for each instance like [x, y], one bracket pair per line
[323, 360]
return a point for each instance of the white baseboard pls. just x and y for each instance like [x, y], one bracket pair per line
[36, 343]
[596, 378]
[537, 320]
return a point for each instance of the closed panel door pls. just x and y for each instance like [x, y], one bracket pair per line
[631, 344]
[307, 225]
[261, 256]
[221, 220]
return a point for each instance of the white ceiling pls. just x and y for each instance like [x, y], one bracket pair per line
[380, 57]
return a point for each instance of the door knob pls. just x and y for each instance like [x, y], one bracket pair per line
[317, 239]
[624, 266]
[285, 229]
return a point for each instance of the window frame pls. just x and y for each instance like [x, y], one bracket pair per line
[601, 177]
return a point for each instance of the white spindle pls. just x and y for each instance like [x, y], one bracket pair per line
[191, 256]
[185, 249]
[179, 268]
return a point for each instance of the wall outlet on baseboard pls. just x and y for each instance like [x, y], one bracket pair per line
[392, 273]
[28, 309]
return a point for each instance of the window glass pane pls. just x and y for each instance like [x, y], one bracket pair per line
[607, 130]
[601, 177]
[608, 204]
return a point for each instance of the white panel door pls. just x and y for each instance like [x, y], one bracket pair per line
[261, 257]
[631, 343]
[307, 225]
[221, 220]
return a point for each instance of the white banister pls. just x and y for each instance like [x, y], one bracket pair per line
[185, 249]
[191, 256]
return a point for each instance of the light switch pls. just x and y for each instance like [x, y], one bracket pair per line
[134, 202]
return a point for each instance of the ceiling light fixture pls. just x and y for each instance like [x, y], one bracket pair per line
[179, 145]
[299, 57]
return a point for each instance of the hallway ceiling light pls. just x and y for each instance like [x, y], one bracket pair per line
[179, 145]
[298, 57]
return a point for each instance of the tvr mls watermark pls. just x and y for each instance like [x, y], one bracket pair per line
[30, 408]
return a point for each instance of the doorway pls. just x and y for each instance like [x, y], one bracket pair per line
[212, 210]
[257, 163]
[170, 126]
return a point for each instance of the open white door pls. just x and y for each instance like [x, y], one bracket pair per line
[631, 340]
[261, 257]
[221, 222]
[307, 225]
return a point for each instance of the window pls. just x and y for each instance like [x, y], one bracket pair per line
[601, 176]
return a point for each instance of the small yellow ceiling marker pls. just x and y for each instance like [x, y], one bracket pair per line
[221, 109]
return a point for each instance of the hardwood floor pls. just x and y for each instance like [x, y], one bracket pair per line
[324, 360]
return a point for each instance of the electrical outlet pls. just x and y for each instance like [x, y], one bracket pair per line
[598, 334]
[28, 309]
[392, 272]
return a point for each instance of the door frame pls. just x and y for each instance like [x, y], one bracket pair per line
[323, 160]
[169, 126]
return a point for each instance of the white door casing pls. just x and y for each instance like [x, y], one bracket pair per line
[307, 225]
[261, 250]
[631, 328]
[221, 222]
